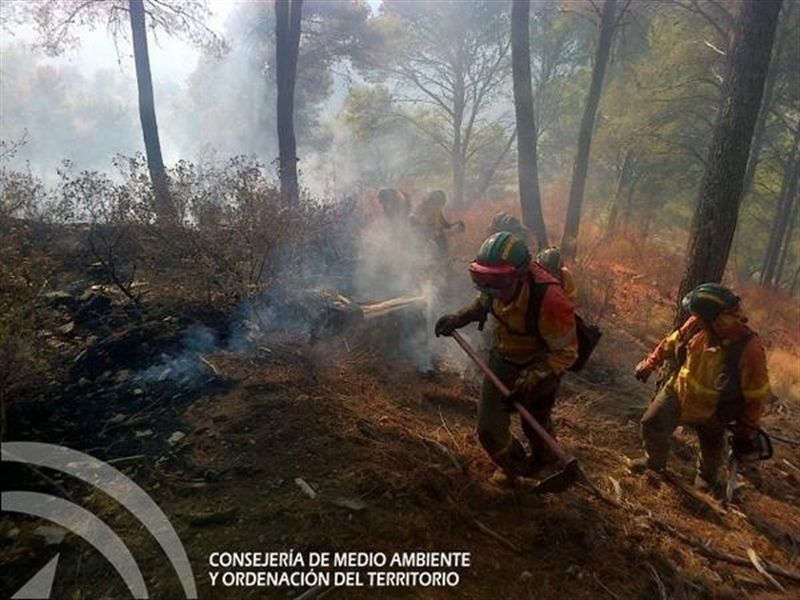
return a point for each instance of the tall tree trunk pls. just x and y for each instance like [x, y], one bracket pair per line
[287, 45]
[766, 105]
[458, 168]
[527, 168]
[489, 175]
[626, 214]
[623, 177]
[717, 210]
[569, 241]
[795, 280]
[781, 220]
[458, 152]
[164, 209]
[787, 240]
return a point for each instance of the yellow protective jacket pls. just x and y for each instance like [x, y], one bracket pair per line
[702, 375]
[556, 344]
[429, 217]
[568, 283]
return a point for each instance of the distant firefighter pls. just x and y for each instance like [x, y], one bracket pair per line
[503, 221]
[430, 221]
[551, 259]
[535, 342]
[396, 206]
[719, 379]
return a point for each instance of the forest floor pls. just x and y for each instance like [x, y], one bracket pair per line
[391, 453]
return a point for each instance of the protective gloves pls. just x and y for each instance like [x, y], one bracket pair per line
[447, 324]
[529, 379]
[643, 371]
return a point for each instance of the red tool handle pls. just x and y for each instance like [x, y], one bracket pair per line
[540, 431]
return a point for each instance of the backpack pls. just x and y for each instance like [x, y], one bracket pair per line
[731, 400]
[588, 335]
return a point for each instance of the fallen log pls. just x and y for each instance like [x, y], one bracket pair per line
[379, 309]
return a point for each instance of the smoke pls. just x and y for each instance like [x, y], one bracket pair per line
[396, 259]
[392, 260]
[64, 114]
[227, 107]
[188, 365]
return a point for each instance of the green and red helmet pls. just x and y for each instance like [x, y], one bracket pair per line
[503, 221]
[551, 259]
[708, 300]
[502, 259]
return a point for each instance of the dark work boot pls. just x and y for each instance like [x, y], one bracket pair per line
[503, 479]
[639, 465]
[540, 462]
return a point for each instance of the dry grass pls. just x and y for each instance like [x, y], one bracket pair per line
[784, 374]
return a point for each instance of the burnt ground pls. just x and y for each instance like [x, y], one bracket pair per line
[393, 457]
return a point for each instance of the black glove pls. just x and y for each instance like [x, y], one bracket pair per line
[742, 447]
[530, 379]
[446, 325]
[508, 402]
[643, 371]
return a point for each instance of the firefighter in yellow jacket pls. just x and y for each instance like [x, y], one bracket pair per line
[550, 258]
[430, 221]
[535, 342]
[719, 379]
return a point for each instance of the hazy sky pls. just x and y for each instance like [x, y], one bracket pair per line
[98, 59]
[171, 59]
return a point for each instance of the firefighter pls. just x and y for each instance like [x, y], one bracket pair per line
[396, 207]
[503, 221]
[551, 259]
[718, 378]
[430, 221]
[534, 343]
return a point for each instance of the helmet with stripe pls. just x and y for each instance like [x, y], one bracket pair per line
[708, 300]
[551, 259]
[502, 260]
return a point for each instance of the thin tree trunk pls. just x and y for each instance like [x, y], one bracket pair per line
[527, 168]
[623, 177]
[766, 104]
[147, 114]
[782, 211]
[795, 280]
[457, 154]
[720, 195]
[489, 175]
[457, 163]
[787, 242]
[629, 197]
[569, 241]
[287, 41]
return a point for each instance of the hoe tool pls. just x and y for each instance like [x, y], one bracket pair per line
[571, 471]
